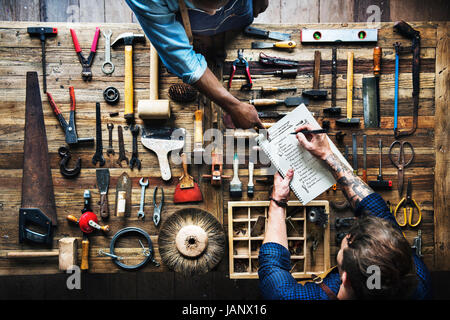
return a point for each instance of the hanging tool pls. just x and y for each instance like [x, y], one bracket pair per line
[67, 253]
[288, 102]
[272, 90]
[251, 31]
[160, 141]
[355, 154]
[349, 121]
[122, 153]
[315, 93]
[338, 35]
[98, 156]
[157, 208]
[267, 60]
[417, 244]
[128, 39]
[380, 183]
[371, 93]
[141, 213]
[70, 129]
[107, 61]
[43, 33]
[236, 184]
[86, 72]
[187, 190]
[272, 114]
[123, 196]
[283, 73]
[407, 31]
[250, 185]
[242, 63]
[401, 163]
[65, 155]
[198, 132]
[110, 150]
[38, 205]
[154, 108]
[333, 111]
[134, 161]
[364, 175]
[277, 45]
[148, 253]
[216, 175]
[88, 222]
[408, 202]
[103, 184]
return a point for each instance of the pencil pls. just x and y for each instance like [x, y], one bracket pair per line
[312, 131]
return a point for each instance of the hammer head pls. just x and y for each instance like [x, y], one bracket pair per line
[128, 38]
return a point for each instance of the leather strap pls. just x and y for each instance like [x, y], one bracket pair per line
[319, 281]
[186, 22]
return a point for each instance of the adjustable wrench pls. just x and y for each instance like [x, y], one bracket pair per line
[141, 214]
[122, 155]
[107, 54]
[110, 150]
[98, 156]
[134, 161]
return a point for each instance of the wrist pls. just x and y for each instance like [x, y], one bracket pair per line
[280, 202]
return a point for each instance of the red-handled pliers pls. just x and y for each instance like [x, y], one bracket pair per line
[241, 62]
[86, 73]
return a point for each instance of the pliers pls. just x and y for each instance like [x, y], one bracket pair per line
[412, 204]
[157, 207]
[241, 62]
[86, 73]
[70, 129]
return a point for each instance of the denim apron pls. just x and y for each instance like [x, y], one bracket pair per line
[236, 14]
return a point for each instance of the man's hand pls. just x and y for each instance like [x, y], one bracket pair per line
[281, 187]
[317, 144]
[243, 116]
[259, 6]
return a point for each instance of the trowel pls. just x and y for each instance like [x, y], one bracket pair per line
[161, 141]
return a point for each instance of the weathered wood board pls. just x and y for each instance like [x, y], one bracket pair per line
[20, 53]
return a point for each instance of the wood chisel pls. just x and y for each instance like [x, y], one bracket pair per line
[333, 111]
[364, 176]
[277, 45]
[251, 31]
[288, 102]
[315, 93]
[236, 184]
[349, 121]
[355, 154]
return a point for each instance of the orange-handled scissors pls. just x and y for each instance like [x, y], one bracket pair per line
[411, 204]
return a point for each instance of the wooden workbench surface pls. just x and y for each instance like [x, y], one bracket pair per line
[19, 53]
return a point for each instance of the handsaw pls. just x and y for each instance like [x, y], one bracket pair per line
[38, 199]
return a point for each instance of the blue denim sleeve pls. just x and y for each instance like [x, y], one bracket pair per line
[169, 38]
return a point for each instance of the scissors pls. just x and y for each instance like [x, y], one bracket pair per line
[412, 204]
[400, 163]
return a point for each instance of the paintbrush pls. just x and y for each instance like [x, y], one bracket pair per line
[187, 190]
[235, 184]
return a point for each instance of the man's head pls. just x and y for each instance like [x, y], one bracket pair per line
[374, 244]
[209, 6]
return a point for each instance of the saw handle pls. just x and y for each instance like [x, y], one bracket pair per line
[128, 82]
[349, 84]
[377, 61]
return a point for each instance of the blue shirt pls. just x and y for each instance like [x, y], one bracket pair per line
[277, 283]
[162, 24]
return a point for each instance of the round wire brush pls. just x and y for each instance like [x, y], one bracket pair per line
[182, 92]
[191, 241]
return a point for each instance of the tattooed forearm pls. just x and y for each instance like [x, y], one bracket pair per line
[353, 187]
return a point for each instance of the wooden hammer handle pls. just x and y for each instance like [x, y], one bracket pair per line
[85, 254]
[349, 84]
[154, 71]
[128, 82]
[32, 254]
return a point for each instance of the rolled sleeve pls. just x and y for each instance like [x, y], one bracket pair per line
[376, 206]
[169, 38]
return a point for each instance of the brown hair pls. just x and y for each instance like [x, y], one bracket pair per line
[376, 242]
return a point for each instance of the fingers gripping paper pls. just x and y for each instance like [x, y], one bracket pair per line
[311, 176]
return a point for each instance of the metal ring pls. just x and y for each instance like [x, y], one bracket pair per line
[148, 258]
[111, 95]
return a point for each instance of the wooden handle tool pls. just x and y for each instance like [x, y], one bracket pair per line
[349, 85]
[84, 253]
[129, 82]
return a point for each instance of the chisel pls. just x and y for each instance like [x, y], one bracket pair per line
[277, 45]
[364, 176]
[355, 155]
[333, 111]
[315, 93]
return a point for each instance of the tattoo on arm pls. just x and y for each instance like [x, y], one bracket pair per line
[353, 187]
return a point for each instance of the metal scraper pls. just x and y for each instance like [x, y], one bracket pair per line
[370, 102]
[161, 141]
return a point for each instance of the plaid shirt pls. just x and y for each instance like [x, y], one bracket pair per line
[277, 283]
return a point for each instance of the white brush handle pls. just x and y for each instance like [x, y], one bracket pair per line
[250, 173]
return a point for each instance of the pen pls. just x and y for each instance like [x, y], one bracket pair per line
[312, 131]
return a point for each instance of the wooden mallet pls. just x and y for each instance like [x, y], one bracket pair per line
[67, 253]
